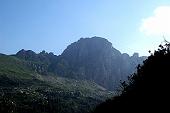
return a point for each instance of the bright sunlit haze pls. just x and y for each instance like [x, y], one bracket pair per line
[131, 26]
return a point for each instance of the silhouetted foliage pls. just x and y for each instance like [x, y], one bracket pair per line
[147, 89]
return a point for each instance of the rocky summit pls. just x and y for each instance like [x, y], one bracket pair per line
[95, 59]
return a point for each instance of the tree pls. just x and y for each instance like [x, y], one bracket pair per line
[147, 89]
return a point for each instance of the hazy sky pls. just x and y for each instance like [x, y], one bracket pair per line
[51, 25]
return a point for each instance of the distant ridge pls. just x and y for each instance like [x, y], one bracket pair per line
[92, 59]
[95, 59]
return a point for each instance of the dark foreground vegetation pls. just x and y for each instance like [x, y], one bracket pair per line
[43, 100]
[35, 96]
[147, 90]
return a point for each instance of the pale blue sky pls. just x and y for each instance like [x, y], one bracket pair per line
[52, 25]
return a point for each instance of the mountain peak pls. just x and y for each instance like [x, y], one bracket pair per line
[91, 59]
[135, 54]
[96, 38]
[26, 54]
[89, 46]
[23, 51]
[95, 59]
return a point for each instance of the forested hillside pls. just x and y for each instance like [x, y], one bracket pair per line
[147, 89]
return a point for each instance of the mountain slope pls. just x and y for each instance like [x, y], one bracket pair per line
[24, 90]
[95, 59]
[91, 59]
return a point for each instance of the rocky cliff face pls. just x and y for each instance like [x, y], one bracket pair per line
[42, 57]
[91, 59]
[37, 62]
[95, 59]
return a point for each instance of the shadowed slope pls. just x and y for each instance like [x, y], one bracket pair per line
[146, 90]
